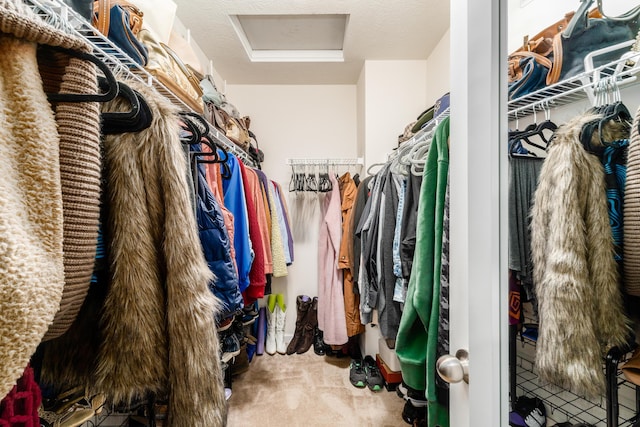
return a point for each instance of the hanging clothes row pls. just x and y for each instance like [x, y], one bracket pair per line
[255, 216]
[383, 248]
[112, 247]
[567, 195]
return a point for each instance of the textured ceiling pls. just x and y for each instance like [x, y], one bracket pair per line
[377, 30]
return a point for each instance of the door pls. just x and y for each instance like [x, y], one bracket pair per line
[478, 306]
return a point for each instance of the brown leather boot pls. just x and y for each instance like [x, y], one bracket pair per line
[309, 326]
[303, 304]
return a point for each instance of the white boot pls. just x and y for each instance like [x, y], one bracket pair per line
[270, 342]
[280, 317]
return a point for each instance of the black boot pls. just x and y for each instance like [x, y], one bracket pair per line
[319, 346]
[303, 304]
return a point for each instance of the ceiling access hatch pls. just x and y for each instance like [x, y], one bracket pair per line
[292, 38]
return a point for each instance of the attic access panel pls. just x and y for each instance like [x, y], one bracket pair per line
[292, 38]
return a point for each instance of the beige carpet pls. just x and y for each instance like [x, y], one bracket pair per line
[307, 390]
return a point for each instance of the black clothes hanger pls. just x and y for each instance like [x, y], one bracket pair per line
[135, 120]
[616, 111]
[112, 90]
[201, 129]
[543, 131]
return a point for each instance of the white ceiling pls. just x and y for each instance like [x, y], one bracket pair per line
[376, 30]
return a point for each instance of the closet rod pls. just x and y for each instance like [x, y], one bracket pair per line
[62, 17]
[344, 162]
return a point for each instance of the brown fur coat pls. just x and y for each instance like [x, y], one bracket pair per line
[154, 331]
[158, 326]
[576, 277]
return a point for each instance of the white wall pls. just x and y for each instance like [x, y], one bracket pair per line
[536, 15]
[394, 93]
[438, 70]
[294, 121]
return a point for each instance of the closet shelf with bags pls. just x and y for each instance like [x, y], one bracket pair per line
[585, 85]
[64, 18]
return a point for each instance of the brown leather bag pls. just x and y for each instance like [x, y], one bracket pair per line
[531, 66]
[540, 46]
[121, 22]
[237, 130]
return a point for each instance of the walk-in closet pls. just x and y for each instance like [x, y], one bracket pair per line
[346, 213]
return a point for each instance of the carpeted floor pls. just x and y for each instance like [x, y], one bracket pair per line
[307, 390]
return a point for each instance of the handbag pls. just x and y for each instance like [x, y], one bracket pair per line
[255, 153]
[166, 66]
[529, 66]
[237, 130]
[210, 91]
[585, 34]
[121, 22]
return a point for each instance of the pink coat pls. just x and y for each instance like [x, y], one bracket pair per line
[331, 317]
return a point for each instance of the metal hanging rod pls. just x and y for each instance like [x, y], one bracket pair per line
[332, 162]
[63, 18]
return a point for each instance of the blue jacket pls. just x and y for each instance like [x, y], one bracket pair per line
[216, 247]
[234, 200]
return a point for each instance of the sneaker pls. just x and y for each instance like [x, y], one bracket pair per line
[230, 347]
[528, 412]
[375, 381]
[249, 314]
[225, 324]
[357, 375]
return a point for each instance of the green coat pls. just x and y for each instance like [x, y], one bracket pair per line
[418, 333]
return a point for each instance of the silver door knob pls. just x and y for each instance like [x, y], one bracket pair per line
[454, 369]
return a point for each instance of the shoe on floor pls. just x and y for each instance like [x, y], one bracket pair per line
[528, 412]
[230, 347]
[318, 343]
[414, 411]
[375, 381]
[357, 375]
[249, 314]
[402, 391]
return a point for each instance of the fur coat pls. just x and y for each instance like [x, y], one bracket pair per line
[158, 326]
[153, 329]
[31, 203]
[576, 278]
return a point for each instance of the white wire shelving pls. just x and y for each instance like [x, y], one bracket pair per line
[60, 16]
[586, 85]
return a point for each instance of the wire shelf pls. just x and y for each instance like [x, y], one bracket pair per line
[578, 88]
[60, 16]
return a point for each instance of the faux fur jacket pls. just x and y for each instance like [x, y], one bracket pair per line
[576, 277]
[158, 326]
[154, 331]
